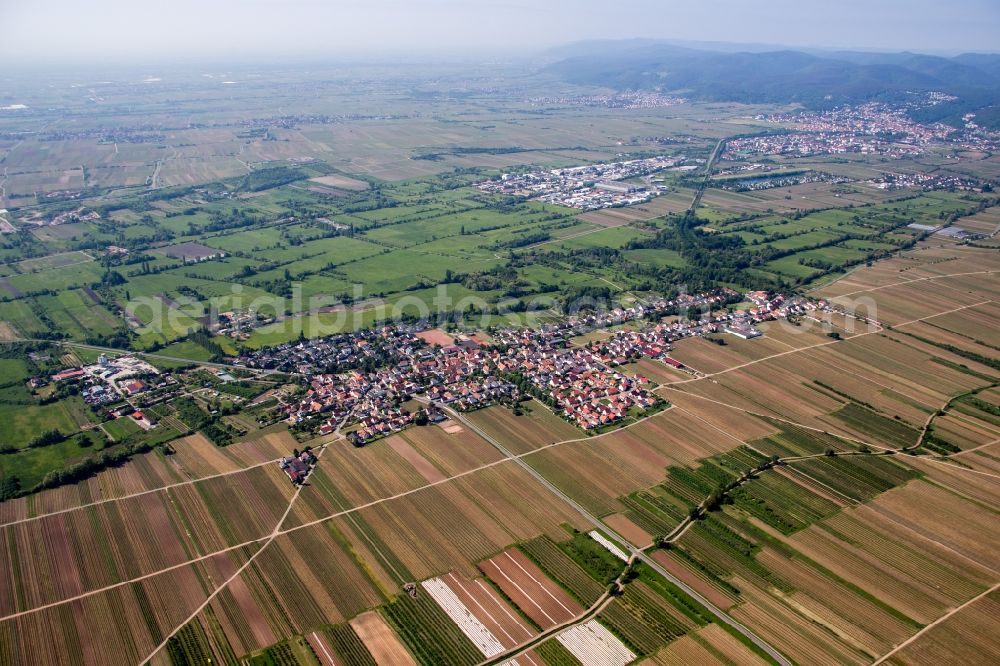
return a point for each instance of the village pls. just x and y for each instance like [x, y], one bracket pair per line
[898, 181]
[768, 180]
[635, 99]
[365, 379]
[872, 128]
[374, 382]
[802, 144]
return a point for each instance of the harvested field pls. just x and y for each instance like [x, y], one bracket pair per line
[341, 182]
[352, 477]
[708, 411]
[457, 523]
[987, 222]
[700, 583]
[7, 332]
[943, 343]
[144, 472]
[974, 324]
[965, 431]
[889, 375]
[800, 639]
[808, 196]
[622, 525]
[537, 428]
[107, 543]
[924, 262]
[302, 580]
[523, 582]
[874, 567]
[199, 457]
[911, 300]
[709, 645]
[967, 637]
[955, 522]
[453, 452]
[123, 625]
[703, 356]
[856, 582]
[614, 217]
[676, 201]
[842, 612]
[450, 427]
[431, 473]
[381, 641]
[628, 459]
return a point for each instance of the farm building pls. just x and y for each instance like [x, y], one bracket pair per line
[743, 331]
[297, 467]
[134, 386]
[72, 373]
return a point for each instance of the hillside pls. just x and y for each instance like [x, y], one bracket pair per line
[782, 76]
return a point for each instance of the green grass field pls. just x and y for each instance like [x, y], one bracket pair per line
[22, 423]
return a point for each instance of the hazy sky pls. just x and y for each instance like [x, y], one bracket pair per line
[61, 29]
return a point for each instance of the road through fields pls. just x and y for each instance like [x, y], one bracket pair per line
[635, 551]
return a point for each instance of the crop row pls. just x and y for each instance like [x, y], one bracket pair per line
[276, 655]
[881, 428]
[692, 486]
[554, 654]
[860, 478]
[781, 503]
[938, 445]
[672, 594]
[654, 513]
[563, 570]
[189, 646]
[428, 632]
[642, 620]
[348, 646]
[794, 441]
[729, 554]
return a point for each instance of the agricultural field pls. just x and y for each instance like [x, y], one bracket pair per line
[537, 428]
[798, 580]
[784, 556]
[522, 581]
[830, 486]
[964, 635]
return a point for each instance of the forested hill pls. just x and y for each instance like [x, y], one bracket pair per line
[813, 79]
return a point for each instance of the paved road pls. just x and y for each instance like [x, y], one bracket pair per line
[638, 553]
